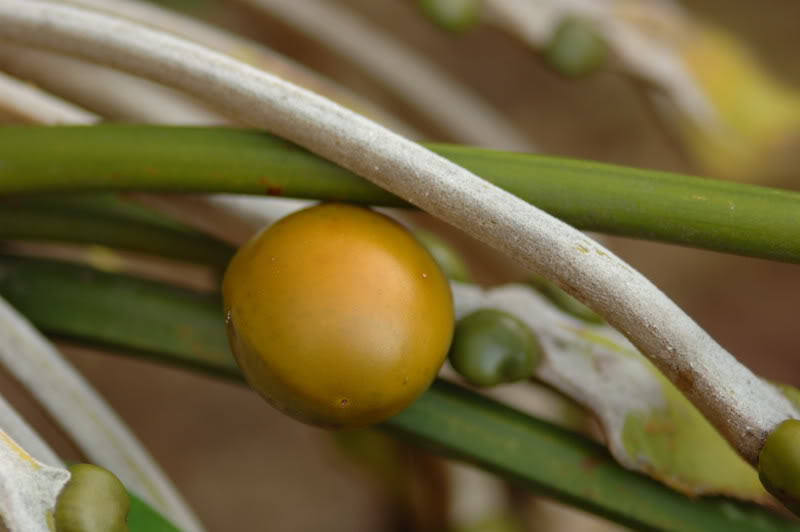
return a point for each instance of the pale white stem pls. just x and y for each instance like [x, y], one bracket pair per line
[85, 416]
[19, 430]
[26, 103]
[409, 74]
[109, 442]
[106, 91]
[242, 49]
[740, 405]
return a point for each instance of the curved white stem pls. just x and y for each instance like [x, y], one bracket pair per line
[108, 92]
[85, 416]
[29, 104]
[412, 76]
[741, 406]
[18, 429]
[242, 49]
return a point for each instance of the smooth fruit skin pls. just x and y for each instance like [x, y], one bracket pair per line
[337, 315]
[94, 500]
[491, 347]
[779, 464]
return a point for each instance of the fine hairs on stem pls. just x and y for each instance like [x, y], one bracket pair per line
[742, 407]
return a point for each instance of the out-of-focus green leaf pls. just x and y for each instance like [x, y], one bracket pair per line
[447, 418]
[110, 223]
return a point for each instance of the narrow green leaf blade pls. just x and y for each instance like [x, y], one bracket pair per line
[52, 221]
[549, 459]
[717, 215]
[180, 326]
[118, 310]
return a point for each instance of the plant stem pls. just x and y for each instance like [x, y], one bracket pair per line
[234, 45]
[742, 407]
[454, 108]
[709, 214]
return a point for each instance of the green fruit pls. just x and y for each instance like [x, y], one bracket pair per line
[564, 301]
[454, 15]
[779, 464]
[94, 500]
[576, 49]
[451, 263]
[491, 347]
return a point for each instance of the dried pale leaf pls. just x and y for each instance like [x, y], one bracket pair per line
[649, 425]
[28, 488]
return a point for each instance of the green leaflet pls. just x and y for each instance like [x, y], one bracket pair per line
[87, 304]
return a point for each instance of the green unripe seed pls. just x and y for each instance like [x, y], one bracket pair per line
[448, 259]
[454, 15]
[576, 49]
[492, 347]
[94, 500]
[779, 464]
[564, 301]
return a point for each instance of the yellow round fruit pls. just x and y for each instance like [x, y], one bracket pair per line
[337, 315]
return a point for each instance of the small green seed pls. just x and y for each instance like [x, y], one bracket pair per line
[449, 260]
[454, 15]
[779, 464]
[492, 347]
[564, 301]
[94, 500]
[576, 49]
